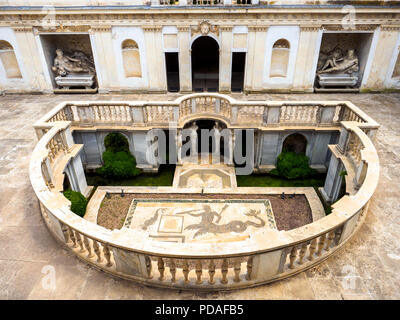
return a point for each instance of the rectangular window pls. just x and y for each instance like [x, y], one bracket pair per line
[172, 65]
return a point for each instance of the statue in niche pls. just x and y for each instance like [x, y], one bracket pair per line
[78, 62]
[337, 63]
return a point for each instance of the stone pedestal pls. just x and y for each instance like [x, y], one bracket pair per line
[77, 80]
[337, 80]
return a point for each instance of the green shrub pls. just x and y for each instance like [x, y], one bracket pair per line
[78, 202]
[118, 165]
[293, 166]
[116, 142]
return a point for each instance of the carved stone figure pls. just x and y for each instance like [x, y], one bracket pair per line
[337, 64]
[77, 63]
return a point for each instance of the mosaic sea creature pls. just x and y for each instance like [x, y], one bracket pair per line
[207, 224]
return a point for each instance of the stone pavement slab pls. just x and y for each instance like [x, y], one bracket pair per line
[34, 266]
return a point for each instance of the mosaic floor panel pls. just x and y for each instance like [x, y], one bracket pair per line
[200, 220]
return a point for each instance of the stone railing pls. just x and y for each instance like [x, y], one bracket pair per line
[235, 113]
[206, 2]
[265, 257]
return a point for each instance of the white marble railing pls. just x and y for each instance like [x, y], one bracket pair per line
[263, 258]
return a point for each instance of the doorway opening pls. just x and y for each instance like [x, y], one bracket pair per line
[238, 65]
[205, 64]
[172, 66]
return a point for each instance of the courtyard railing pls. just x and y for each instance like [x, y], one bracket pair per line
[204, 266]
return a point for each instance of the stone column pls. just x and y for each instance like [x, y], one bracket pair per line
[303, 79]
[185, 72]
[255, 58]
[31, 62]
[104, 58]
[155, 59]
[225, 67]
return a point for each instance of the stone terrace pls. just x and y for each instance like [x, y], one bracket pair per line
[366, 268]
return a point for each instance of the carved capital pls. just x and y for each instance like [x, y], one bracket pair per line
[152, 28]
[310, 27]
[183, 28]
[390, 27]
[258, 28]
[101, 28]
[23, 29]
[226, 28]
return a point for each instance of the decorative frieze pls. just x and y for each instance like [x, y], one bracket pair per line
[357, 27]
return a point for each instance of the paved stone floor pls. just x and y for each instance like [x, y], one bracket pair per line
[366, 268]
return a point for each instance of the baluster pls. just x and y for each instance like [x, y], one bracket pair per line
[211, 272]
[302, 253]
[72, 236]
[224, 271]
[147, 260]
[96, 249]
[172, 269]
[64, 229]
[331, 236]
[88, 247]
[185, 271]
[313, 247]
[321, 244]
[79, 239]
[161, 268]
[199, 271]
[107, 255]
[236, 270]
[292, 257]
[249, 268]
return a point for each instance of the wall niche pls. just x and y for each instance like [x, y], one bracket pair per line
[9, 60]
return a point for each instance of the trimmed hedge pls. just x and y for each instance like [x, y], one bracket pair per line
[119, 163]
[293, 166]
[78, 202]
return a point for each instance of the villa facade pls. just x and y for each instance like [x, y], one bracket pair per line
[188, 46]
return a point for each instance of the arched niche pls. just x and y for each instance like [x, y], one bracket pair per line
[295, 142]
[280, 58]
[131, 59]
[9, 60]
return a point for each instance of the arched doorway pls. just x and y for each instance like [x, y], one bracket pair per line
[205, 64]
[295, 143]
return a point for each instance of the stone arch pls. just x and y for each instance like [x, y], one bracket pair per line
[280, 58]
[9, 60]
[131, 59]
[295, 142]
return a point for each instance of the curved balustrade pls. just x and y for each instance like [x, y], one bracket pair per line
[263, 258]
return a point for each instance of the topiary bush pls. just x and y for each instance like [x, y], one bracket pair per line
[293, 166]
[119, 163]
[78, 202]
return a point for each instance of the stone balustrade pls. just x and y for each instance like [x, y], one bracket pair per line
[266, 257]
[233, 112]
